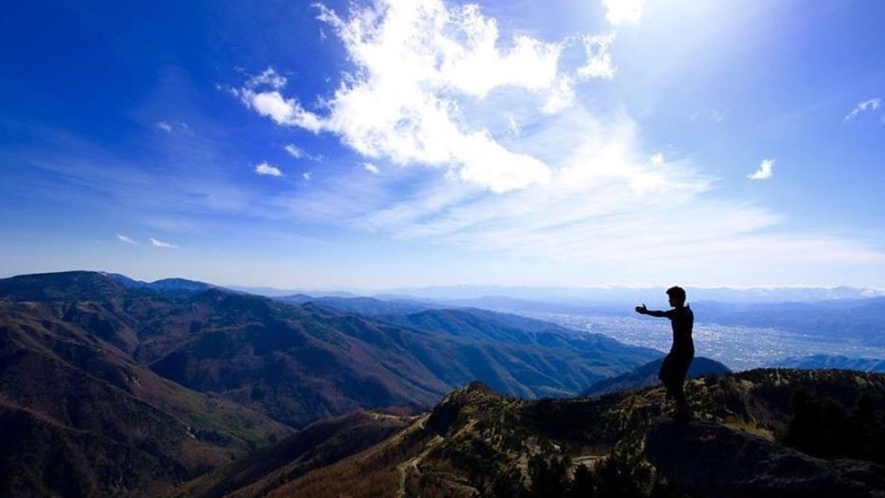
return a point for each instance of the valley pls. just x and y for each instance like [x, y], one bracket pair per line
[739, 347]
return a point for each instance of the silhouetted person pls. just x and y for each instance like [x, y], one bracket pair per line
[676, 363]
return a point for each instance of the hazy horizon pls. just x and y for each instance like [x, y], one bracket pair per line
[391, 144]
[590, 294]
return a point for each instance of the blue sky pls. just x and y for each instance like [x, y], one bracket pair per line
[379, 144]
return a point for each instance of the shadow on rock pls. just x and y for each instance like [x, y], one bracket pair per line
[712, 461]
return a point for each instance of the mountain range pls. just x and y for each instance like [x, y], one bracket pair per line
[484, 295]
[115, 387]
[128, 387]
[823, 361]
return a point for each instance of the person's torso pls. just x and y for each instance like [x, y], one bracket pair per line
[682, 321]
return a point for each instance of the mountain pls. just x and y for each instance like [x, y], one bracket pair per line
[647, 375]
[80, 417]
[321, 444]
[168, 286]
[114, 387]
[756, 433]
[363, 305]
[64, 286]
[822, 361]
[302, 363]
[519, 356]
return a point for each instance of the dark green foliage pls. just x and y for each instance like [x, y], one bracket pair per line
[549, 476]
[585, 483]
[620, 476]
[824, 427]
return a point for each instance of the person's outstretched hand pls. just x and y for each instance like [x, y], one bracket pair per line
[642, 309]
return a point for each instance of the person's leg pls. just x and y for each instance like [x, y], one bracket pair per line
[666, 368]
[680, 371]
[669, 375]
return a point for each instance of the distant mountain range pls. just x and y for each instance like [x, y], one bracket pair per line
[493, 296]
[821, 361]
[115, 386]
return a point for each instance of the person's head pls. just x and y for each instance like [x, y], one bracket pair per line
[676, 295]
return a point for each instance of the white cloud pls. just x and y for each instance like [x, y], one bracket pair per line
[764, 172]
[560, 97]
[127, 240]
[268, 78]
[306, 176]
[623, 11]
[656, 159]
[294, 151]
[419, 66]
[599, 61]
[161, 244]
[282, 111]
[266, 169]
[163, 125]
[871, 105]
[371, 168]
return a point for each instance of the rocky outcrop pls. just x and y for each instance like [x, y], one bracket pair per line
[709, 460]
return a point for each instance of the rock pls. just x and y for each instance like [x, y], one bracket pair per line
[712, 461]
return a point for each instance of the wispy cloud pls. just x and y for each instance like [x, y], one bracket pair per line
[371, 168]
[179, 127]
[299, 153]
[764, 172]
[599, 61]
[294, 151]
[127, 240]
[268, 78]
[871, 105]
[306, 176]
[513, 125]
[623, 11]
[161, 244]
[419, 65]
[711, 116]
[266, 169]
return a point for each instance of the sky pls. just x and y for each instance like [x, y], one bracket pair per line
[380, 144]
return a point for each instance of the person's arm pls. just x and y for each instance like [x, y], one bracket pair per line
[642, 310]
